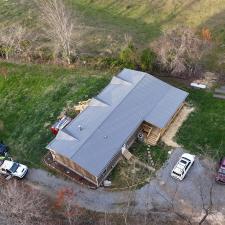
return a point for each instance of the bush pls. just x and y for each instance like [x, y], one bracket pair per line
[44, 54]
[128, 57]
[147, 60]
[110, 62]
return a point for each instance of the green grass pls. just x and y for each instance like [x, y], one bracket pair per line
[159, 153]
[31, 99]
[107, 21]
[204, 131]
[163, 12]
[14, 11]
[127, 174]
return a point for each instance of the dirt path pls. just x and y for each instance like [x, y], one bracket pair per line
[164, 193]
[174, 127]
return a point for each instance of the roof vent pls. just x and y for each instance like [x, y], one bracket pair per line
[80, 127]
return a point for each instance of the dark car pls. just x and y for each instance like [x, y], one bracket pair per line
[3, 149]
[220, 177]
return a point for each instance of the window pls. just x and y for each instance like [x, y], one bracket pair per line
[186, 167]
[182, 161]
[176, 173]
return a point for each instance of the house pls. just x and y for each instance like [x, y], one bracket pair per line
[133, 103]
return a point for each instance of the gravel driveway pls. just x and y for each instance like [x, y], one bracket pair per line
[196, 196]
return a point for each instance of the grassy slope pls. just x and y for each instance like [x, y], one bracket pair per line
[15, 11]
[32, 98]
[145, 20]
[107, 21]
[165, 13]
[190, 12]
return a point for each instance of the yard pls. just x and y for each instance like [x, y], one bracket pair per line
[32, 97]
[130, 174]
[204, 131]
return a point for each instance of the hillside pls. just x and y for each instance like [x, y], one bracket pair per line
[116, 161]
[165, 12]
[105, 22]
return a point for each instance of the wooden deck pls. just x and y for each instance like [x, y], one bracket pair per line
[152, 134]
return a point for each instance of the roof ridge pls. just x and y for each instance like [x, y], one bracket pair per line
[65, 131]
[170, 87]
[144, 75]
[102, 102]
[122, 79]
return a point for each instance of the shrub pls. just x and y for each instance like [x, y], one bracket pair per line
[44, 53]
[110, 62]
[128, 56]
[147, 60]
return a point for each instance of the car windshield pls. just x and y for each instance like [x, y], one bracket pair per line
[14, 167]
[186, 158]
[222, 171]
[183, 161]
[177, 173]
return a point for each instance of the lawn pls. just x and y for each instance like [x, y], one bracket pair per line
[159, 153]
[32, 97]
[129, 174]
[204, 131]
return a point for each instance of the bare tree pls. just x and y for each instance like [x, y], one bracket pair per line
[179, 50]
[58, 26]
[10, 39]
[22, 206]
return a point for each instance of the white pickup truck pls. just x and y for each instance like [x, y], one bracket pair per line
[13, 169]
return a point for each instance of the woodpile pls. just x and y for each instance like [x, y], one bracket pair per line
[81, 106]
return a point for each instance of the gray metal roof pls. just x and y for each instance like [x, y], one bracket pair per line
[114, 115]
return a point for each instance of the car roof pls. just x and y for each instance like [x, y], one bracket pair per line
[7, 164]
[188, 156]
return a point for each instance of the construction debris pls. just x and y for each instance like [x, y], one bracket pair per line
[81, 106]
[220, 92]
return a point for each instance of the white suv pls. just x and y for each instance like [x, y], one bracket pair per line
[183, 165]
[13, 169]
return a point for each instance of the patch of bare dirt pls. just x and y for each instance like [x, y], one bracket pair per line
[174, 127]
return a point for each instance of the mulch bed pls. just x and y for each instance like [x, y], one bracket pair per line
[48, 160]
